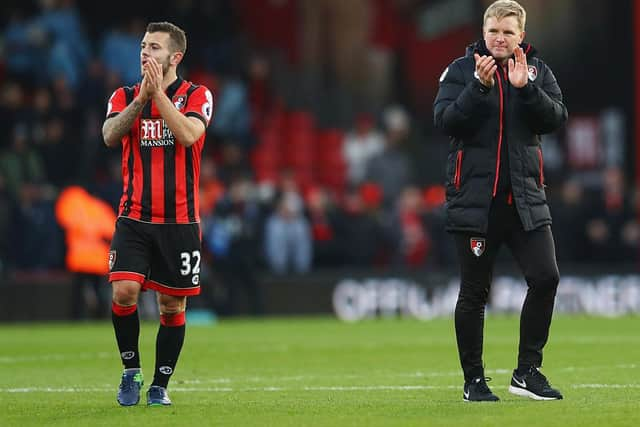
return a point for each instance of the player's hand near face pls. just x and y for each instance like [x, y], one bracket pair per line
[153, 71]
[143, 94]
[485, 68]
[518, 69]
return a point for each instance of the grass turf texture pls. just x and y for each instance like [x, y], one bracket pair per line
[320, 372]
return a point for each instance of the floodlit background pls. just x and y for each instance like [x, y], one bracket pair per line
[322, 175]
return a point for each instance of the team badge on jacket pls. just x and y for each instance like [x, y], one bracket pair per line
[179, 101]
[533, 72]
[477, 246]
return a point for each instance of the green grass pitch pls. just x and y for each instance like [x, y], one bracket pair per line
[320, 372]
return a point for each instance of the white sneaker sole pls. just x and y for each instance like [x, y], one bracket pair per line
[526, 393]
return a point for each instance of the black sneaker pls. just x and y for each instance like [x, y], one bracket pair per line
[477, 390]
[533, 385]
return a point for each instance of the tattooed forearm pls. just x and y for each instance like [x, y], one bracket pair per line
[116, 127]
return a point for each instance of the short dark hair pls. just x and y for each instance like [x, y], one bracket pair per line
[176, 34]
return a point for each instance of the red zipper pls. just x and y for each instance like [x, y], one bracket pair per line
[495, 182]
[541, 167]
[457, 178]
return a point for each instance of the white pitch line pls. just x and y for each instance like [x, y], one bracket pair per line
[57, 357]
[416, 374]
[285, 389]
[605, 386]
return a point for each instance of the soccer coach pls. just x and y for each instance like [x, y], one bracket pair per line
[494, 103]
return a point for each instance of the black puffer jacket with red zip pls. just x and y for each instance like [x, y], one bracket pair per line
[495, 140]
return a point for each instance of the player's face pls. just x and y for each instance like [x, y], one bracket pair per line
[502, 36]
[155, 45]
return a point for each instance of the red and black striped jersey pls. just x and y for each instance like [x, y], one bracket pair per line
[160, 176]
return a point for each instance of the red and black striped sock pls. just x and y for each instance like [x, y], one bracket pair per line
[127, 327]
[168, 345]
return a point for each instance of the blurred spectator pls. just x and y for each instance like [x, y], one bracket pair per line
[287, 236]
[232, 236]
[66, 106]
[363, 233]
[25, 47]
[21, 163]
[233, 116]
[569, 222]
[325, 220]
[391, 169]
[41, 240]
[40, 111]
[49, 46]
[60, 167]
[68, 47]
[13, 111]
[414, 240]
[94, 92]
[360, 145]
[260, 91]
[611, 229]
[108, 184]
[89, 224]
[443, 253]
[211, 188]
[233, 162]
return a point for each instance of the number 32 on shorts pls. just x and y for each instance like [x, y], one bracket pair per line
[190, 262]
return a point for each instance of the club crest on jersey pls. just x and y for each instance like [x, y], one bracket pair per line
[533, 72]
[112, 259]
[477, 245]
[179, 101]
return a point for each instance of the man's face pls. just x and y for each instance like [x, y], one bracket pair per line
[502, 36]
[155, 45]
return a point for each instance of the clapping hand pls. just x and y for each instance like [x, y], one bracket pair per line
[485, 69]
[152, 80]
[518, 69]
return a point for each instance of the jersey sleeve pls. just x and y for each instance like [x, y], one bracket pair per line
[200, 105]
[117, 103]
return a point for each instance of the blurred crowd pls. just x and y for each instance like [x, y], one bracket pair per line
[307, 164]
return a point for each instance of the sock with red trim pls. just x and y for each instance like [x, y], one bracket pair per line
[126, 325]
[168, 345]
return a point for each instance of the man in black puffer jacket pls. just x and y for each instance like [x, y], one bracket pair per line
[494, 103]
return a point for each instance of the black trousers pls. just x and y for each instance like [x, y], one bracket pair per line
[534, 252]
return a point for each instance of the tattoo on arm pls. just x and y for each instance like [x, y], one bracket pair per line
[116, 127]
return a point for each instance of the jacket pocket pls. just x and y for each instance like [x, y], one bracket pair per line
[457, 175]
[541, 165]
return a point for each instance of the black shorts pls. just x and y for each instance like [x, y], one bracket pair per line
[162, 257]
